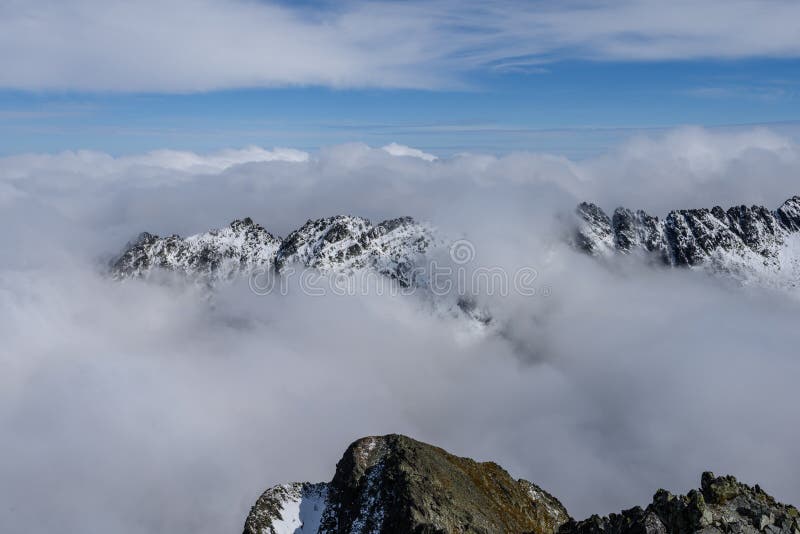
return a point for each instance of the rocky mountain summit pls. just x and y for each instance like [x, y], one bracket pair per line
[394, 484]
[751, 244]
[335, 244]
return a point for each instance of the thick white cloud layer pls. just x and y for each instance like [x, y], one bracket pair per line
[140, 407]
[196, 45]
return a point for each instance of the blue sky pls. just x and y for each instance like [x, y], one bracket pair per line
[441, 76]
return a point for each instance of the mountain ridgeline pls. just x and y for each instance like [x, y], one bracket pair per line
[394, 484]
[751, 244]
[335, 244]
[395, 248]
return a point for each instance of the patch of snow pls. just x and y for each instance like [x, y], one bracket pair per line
[301, 511]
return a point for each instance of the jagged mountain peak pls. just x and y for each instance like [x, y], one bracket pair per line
[789, 214]
[322, 242]
[211, 256]
[340, 243]
[348, 242]
[751, 244]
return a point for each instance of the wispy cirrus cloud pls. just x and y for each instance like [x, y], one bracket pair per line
[764, 91]
[200, 45]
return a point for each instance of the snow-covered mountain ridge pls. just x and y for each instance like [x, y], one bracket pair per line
[751, 244]
[398, 250]
[342, 243]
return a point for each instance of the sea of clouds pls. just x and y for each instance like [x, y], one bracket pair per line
[138, 407]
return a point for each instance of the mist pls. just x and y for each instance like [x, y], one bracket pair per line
[140, 407]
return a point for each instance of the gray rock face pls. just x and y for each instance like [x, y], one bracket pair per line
[594, 234]
[752, 244]
[722, 505]
[393, 484]
[338, 244]
[637, 231]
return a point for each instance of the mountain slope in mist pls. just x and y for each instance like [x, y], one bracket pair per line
[335, 244]
[750, 244]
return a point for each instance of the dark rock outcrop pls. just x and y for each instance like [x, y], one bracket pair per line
[393, 484]
[722, 505]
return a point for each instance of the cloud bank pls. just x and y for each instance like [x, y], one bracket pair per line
[147, 408]
[191, 45]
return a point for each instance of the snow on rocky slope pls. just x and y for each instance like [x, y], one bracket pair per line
[750, 244]
[397, 249]
[346, 243]
[335, 244]
[211, 257]
[289, 509]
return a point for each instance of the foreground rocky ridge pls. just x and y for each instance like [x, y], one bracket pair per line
[722, 505]
[752, 244]
[335, 244]
[394, 484]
